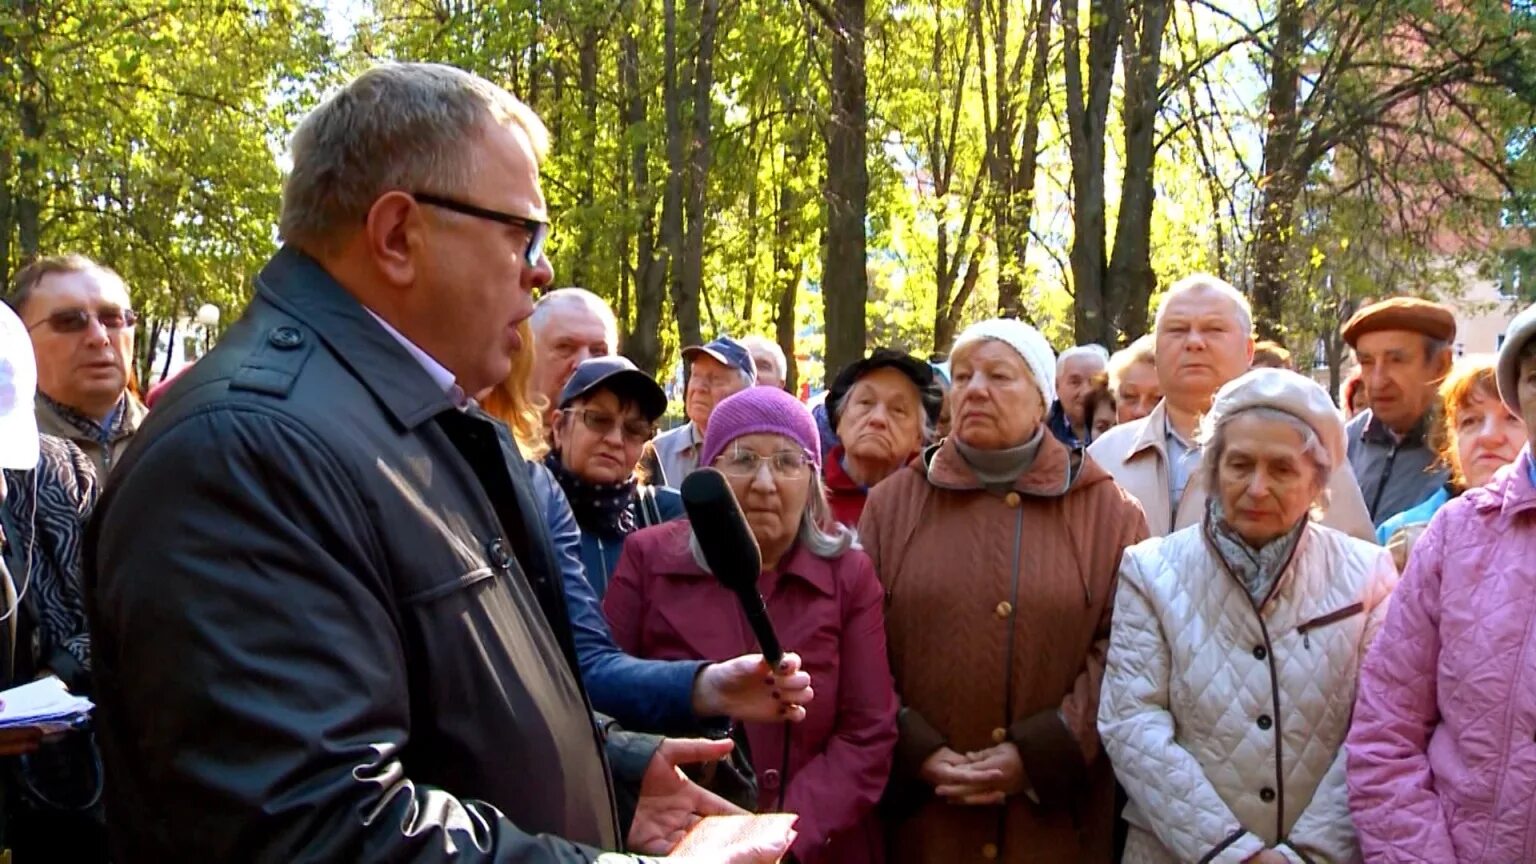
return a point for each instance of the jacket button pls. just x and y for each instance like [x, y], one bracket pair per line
[285, 338]
[771, 778]
[999, 735]
[1259, 653]
[1266, 795]
[497, 551]
[1012, 499]
[989, 851]
[1265, 722]
[1003, 610]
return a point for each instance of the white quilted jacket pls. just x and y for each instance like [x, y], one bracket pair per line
[1226, 725]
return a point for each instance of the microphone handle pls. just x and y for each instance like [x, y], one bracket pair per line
[762, 628]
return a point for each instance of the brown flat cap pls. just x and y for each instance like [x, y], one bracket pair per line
[1402, 313]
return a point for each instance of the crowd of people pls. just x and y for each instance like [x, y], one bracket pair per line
[401, 569]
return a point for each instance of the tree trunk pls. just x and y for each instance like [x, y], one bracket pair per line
[644, 345]
[685, 300]
[1012, 156]
[26, 205]
[1087, 111]
[845, 281]
[672, 197]
[1131, 280]
[1282, 175]
[580, 269]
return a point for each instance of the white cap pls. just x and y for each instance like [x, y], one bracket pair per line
[1022, 338]
[1288, 392]
[18, 388]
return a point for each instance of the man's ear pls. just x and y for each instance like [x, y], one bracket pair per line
[394, 234]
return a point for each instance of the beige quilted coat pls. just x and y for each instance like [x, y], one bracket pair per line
[1226, 725]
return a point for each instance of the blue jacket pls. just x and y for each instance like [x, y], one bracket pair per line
[648, 695]
[600, 555]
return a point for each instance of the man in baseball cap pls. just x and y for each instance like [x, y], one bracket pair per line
[715, 370]
[1403, 346]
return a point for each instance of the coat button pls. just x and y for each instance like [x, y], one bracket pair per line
[989, 851]
[771, 778]
[1012, 499]
[497, 551]
[1259, 652]
[1003, 610]
[1265, 722]
[285, 338]
[999, 735]
[1266, 795]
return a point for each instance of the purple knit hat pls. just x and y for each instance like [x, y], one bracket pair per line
[760, 409]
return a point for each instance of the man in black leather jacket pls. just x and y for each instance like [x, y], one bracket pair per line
[327, 621]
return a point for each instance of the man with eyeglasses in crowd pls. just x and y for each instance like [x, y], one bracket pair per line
[344, 636]
[715, 370]
[81, 322]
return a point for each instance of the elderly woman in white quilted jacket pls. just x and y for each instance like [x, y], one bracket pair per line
[1237, 643]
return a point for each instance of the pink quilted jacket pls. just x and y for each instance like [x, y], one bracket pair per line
[1442, 752]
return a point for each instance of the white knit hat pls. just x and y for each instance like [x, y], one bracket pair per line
[1519, 332]
[1282, 390]
[1022, 338]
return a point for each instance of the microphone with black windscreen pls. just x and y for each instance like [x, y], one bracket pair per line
[729, 549]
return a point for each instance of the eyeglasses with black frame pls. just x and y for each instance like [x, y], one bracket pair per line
[77, 319]
[600, 422]
[538, 232]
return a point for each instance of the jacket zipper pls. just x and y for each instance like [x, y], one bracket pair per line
[1338, 615]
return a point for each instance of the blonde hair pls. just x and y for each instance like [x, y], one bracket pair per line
[405, 127]
[1143, 350]
[514, 403]
[1472, 374]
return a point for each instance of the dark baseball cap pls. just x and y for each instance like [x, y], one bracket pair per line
[622, 377]
[727, 351]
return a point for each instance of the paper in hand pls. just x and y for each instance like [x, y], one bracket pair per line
[44, 703]
[714, 833]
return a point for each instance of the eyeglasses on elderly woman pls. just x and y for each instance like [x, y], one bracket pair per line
[785, 464]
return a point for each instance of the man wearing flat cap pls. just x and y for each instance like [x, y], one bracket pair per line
[1403, 346]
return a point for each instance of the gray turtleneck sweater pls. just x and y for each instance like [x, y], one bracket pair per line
[998, 470]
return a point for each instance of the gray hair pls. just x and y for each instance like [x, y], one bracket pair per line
[817, 540]
[1143, 350]
[1089, 350]
[575, 298]
[396, 127]
[1213, 284]
[755, 343]
[1213, 444]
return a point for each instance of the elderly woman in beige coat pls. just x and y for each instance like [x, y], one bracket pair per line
[998, 549]
[1237, 644]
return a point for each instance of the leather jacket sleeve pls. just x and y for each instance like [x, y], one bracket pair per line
[254, 666]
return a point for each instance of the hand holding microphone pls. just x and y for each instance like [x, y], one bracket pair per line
[752, 687]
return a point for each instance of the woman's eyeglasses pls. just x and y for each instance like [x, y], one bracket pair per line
[788, 464]
[538, 232]
[76, 320]
[636, 430]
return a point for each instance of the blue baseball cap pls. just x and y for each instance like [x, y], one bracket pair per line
[729, 352]
[622, 377]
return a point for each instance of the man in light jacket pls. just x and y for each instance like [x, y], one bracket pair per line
[1204, 331]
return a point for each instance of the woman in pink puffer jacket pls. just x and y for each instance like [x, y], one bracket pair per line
[1442, 750]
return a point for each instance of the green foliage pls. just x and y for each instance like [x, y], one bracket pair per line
[155, 126]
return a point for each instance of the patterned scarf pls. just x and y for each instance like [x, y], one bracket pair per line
[118, 420]
[1257, 569]
[606, 509]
